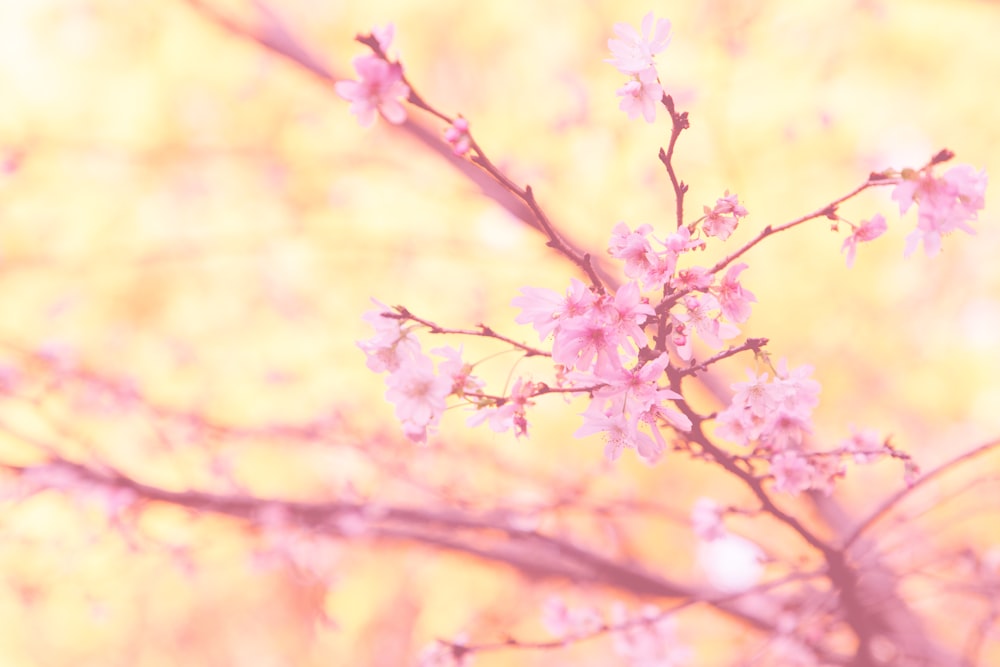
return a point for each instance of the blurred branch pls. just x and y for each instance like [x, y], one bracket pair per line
[893, 500]
[272, 34]
[532, 554]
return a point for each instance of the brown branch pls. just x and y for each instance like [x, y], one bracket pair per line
[679, 124]
[894, 499]
[276, 38]
[483, 331]
[533, 554]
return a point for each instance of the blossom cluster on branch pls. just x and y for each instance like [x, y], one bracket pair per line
[627, 346]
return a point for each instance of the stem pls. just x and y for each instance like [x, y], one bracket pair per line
[894, 499]
[680, 123]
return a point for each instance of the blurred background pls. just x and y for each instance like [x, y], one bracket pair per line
[192, 224]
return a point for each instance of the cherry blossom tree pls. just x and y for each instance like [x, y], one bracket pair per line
[623, 469]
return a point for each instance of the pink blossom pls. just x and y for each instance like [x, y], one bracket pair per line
[439, 654]
[738, 425]
[944, 204]
[633, 248]
[648, 639]
[792, 473]
[419, 396]
[456, 370]
[776, 413]
[584, 342]
[391, 345]
[866, 231]
[629, 311]
[826, 471]
[641, 95]
[864, 444]
[638, 386]
[733, 298]
[544, 308]
[658, 410]
[721, 220]
[457, 135]
[785, 431]
[380, 89]
[758, 396]
[511, 413]
[697, 315]
[706, 520]
[800, 393]
[616, 429]
[541, 308]
[692, 278]
[681, 242]
[569, 623]
[634, 52]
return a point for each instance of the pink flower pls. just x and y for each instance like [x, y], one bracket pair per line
[758, 396]
[380, 89]
[438, 654]
[616, 430]
[392, 345]
[629, 312]
[721, 220]
[634, 53]
[419, 396]
[510, 413]
[641, 95]
[799, 392]
[457, 135]
[774, 413]
[544, 308]
[792, 473]
[865, 445]
[866, 231]
[456, 370]
[567, 623]
[944, 204]
[734, 300]
[697, 315]
[826, 471]
[584, 341]
[706, 520]
[638, 386]
[648, 638]
[785, 431]
[633, 248]
[738, 425]
[692, 278]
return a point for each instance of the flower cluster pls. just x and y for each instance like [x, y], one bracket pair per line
[634, 54]
[868, 230]
[381, 87]
[774, 414]
[625, 348]
[721, 220]
[944, 203]
[598, 337]
[568, 622]
[414, 387]
[648, 638]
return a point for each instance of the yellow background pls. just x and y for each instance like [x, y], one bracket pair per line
[185, 211]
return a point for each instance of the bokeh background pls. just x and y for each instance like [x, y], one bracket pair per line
[192, 225]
